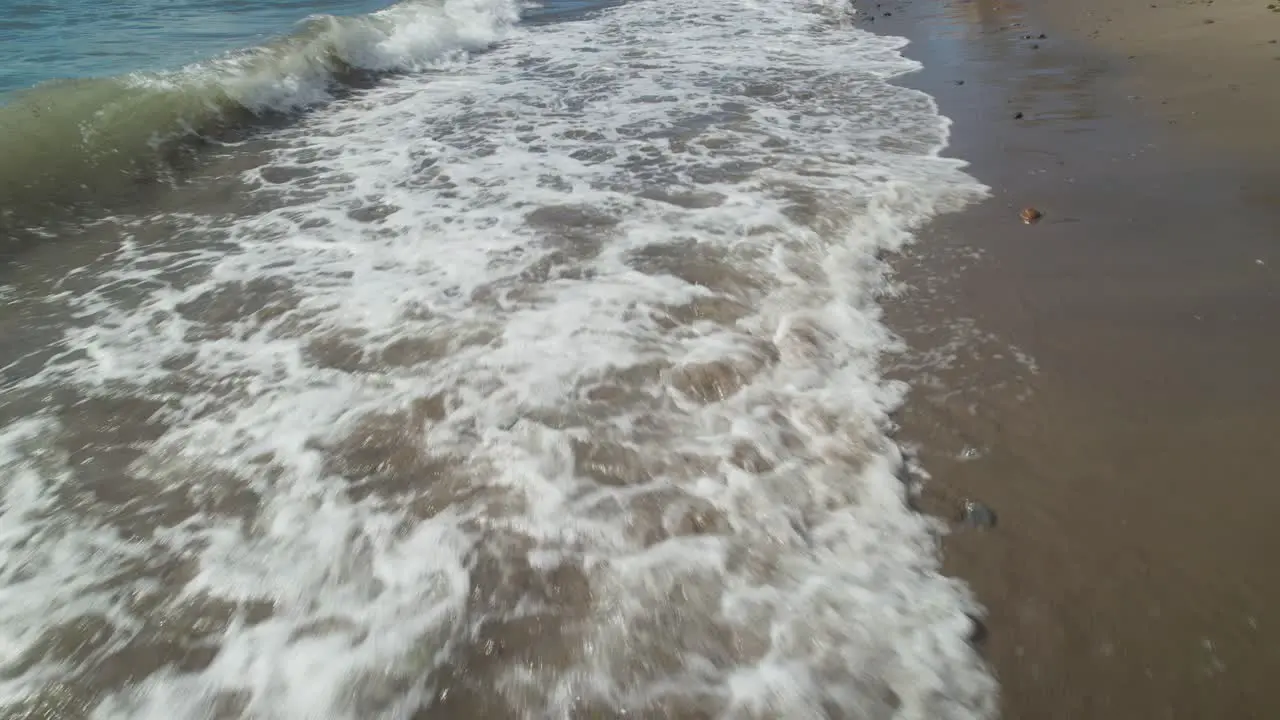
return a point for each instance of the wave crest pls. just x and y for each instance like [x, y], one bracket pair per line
[88, 139]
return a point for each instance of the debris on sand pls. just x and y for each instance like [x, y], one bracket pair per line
[1030, 215]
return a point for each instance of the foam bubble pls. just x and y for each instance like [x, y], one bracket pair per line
[545, 385]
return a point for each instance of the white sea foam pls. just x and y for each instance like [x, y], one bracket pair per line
[299, 71]
[577, 336]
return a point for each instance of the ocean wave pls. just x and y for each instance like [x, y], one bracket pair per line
[88, 139]
[545, 387]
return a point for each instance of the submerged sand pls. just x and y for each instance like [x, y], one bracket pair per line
[1109, 385]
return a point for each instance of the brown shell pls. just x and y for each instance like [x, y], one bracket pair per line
[1030, 215]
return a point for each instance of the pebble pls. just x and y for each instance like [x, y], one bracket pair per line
[1030, 215]
[978, 515]
[1017, 116]
[977, 630]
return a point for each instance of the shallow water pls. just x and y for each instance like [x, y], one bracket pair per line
[537, 378]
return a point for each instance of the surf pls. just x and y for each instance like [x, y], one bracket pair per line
[88, 140]
[541, 385]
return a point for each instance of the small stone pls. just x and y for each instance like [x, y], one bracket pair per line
[1035, 46]
[1017, 116]
[1043, 36]
[977, 630]
[959, 82]
[1030, 215]
[888, 14]
[1208, 22]
[978, 515]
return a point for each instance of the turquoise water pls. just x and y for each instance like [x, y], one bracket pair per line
[60, 39]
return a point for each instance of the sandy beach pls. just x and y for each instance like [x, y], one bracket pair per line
[1109, 380]
[530, 362]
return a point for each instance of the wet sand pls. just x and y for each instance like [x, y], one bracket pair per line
[1109, 385]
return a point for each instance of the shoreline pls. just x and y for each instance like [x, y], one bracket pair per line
[1102, 373]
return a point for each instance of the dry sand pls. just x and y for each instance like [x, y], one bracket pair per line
[1133, 460]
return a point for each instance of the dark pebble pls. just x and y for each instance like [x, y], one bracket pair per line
[1043, 36]
[1208, 22]
[959, 82]
[978, 515]
[1017, 116]
[888, 14]
[977, 630]
[1035, 46]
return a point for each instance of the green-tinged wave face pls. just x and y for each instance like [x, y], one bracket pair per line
[89, 139]
[71, 140]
